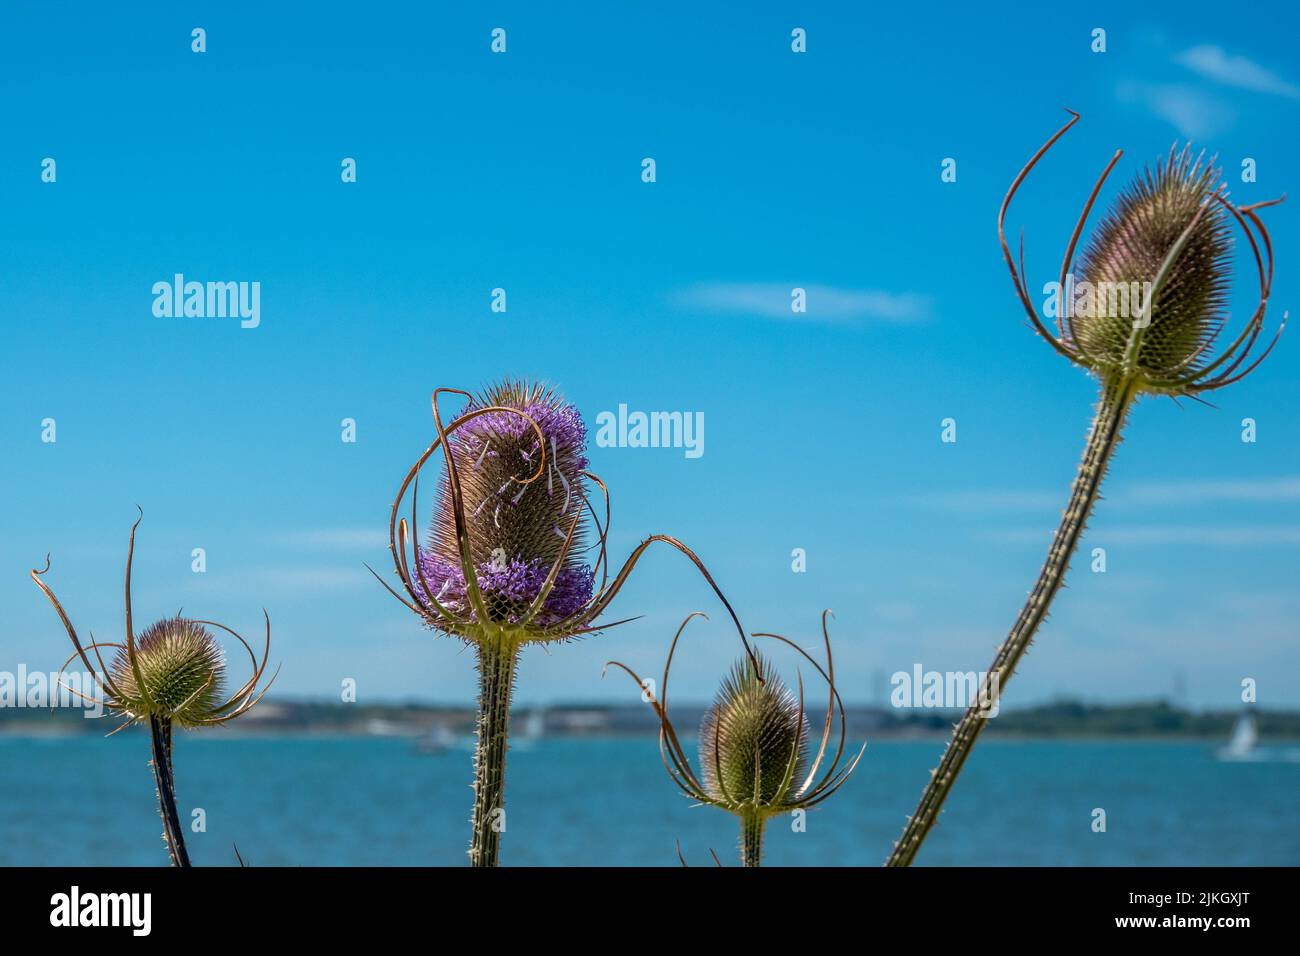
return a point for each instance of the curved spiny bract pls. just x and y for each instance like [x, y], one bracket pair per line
[754, 742]
[1168, 239]
[172, 674]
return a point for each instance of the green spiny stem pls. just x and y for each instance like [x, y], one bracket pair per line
[160, 732]
[497, 656]
[1103, 438]
[751, 838]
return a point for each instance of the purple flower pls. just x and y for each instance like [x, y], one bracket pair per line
[562, 425]
[509, 588]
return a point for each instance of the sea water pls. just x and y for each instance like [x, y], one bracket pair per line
[376, 801]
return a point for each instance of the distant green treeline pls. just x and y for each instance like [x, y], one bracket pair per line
[1057, 719]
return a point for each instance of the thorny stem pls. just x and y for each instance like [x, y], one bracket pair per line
[751, 837]
[160, 732]
[1103, 438]
[497, 655]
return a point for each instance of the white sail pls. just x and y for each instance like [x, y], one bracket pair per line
[535, 724]
[1244, 736]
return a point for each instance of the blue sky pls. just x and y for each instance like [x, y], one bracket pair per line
[522, 171]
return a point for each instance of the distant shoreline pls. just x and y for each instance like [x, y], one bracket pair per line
[1062, 720]
[223, 733]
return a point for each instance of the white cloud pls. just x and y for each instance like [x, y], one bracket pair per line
[1189, 111]
[333, 539]
[827, 304]
[1148, 494]
[979, 502]
[267, 584]
[1223, 536]
[1240, 536]
[1257, 491]
[313, 580]
[1216, 64]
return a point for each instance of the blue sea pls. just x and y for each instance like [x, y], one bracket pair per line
[376, 801]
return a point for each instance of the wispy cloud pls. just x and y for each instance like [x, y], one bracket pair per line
[981, 502]
[827, 304]
[1254, 491]
[314, 580]
[1191, 112]
[1149, 494]
[1223, 536]
[332, 539]
[1215, 63]
[271, 582]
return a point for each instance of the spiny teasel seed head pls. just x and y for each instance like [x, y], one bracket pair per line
[753, 739]
[183, 669]
[174, 671]
[517, 527]
[1126, 253]
[1147, 311]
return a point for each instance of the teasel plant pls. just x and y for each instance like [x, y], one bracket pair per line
[754, 742]
[1169, 232]
[513, 557]
[172, 675]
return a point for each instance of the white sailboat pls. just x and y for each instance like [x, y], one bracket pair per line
[1245, 737]
[440, 740]
[533, 729]
[1244, 746]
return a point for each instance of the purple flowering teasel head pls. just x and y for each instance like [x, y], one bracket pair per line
[517, 546]
[518, 528]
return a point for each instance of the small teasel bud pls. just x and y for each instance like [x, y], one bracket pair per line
[517, 517]
[182, 668]
[753, 739]
[754, 742]
[1123, 261]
